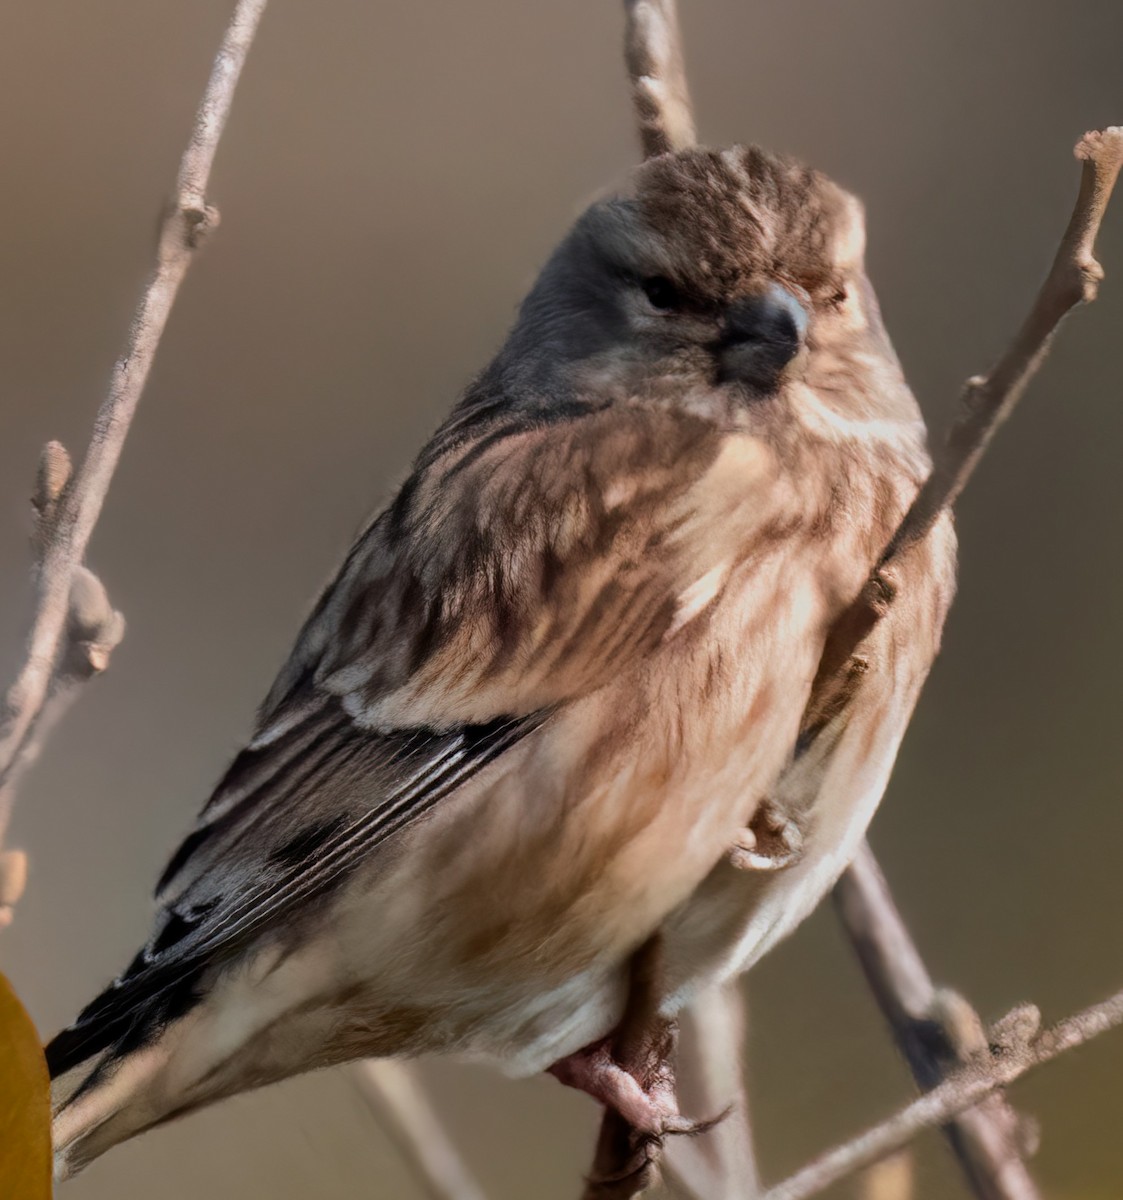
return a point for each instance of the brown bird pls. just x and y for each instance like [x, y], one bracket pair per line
[558, 677]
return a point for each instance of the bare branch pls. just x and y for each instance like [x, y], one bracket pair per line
[393, 1091]
[721, 1165]
[68, 510]
[93, 630]
[989, 399]
[653, 53]
[1014, 1046]
[936, 1029]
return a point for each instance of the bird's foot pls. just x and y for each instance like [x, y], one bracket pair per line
[643, 1096]
[770, 842]
[632, 1074]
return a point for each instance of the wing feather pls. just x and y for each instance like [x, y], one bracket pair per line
[221, 910]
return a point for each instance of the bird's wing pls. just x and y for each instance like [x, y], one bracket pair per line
[517, 570]
[305, 811]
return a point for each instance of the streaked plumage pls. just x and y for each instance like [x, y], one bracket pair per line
[556, 676]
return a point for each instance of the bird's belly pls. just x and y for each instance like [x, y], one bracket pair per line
[505, 922]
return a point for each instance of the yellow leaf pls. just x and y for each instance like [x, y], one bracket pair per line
[25, 1106]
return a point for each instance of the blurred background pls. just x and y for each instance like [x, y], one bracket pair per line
[392, 176]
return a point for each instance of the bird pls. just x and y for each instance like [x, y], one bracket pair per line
[561, 692]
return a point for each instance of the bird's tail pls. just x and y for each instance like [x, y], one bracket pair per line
[98, 1105]
[131, 1062]
[105, 1075]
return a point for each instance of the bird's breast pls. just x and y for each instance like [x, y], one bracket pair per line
[513, 909]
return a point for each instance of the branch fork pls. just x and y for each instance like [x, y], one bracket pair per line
[1016, 1044]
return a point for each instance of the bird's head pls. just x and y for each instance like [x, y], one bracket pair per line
[714, 274]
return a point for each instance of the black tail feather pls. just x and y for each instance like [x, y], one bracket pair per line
[116, 1022]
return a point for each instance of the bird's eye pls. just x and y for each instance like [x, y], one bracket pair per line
[661, 293]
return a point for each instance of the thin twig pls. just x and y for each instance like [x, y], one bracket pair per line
[720, 1165]
[653, 53]
[398, 1099]
[93, 630]
[1014, 1047]
[988, 400]
[77, 503]
[936, 1029]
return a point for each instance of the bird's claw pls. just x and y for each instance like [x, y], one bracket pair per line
[644, 1099]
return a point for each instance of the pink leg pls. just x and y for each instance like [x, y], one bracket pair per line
[649, 1107]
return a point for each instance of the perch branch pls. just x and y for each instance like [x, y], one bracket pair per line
[68, 508]
[653, 54]
[937, 1030]
[403, 1110]
[1014, 1046]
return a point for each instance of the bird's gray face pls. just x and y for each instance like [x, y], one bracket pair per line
[615, 307]
[695, 284]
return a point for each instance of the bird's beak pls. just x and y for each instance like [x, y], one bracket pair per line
[763, 333]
